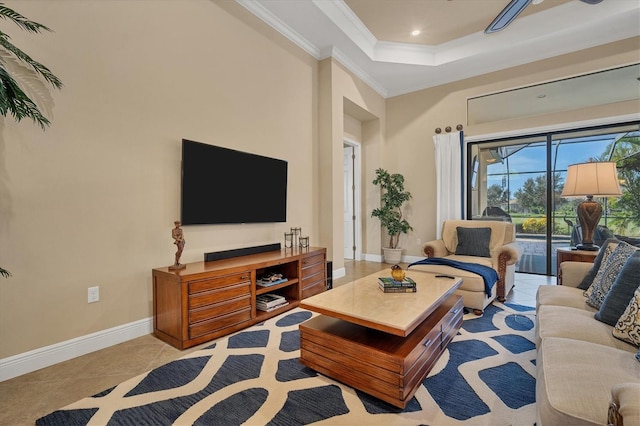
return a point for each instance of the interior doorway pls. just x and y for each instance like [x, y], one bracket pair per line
[351, 202]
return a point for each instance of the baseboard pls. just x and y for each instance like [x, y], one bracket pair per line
[36, 359]
[339, 273]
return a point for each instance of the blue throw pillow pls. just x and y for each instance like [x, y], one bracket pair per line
[607, 248]
[473, 241]
[621, 291]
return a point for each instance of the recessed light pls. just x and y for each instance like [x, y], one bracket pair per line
[415, 32]
[541, 96]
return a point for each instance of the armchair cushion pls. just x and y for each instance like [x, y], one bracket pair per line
[473, 241]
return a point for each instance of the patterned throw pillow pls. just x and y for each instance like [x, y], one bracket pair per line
[628, 326]
[603, 282]
[621, 291]
[598, 263]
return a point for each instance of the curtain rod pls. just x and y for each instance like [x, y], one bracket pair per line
[448, 129]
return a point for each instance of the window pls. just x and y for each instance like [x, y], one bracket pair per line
[521, 179]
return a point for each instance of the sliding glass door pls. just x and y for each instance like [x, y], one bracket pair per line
[521, 179]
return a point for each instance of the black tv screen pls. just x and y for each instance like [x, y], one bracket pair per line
[222, 185]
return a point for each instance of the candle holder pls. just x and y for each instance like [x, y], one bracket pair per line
[296, 233]
[304, 242]
[288, 240]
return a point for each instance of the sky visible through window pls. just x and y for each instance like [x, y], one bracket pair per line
[530, 161]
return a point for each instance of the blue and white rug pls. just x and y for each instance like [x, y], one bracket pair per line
[253, 377]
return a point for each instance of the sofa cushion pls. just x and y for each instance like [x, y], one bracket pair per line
[561, 295]
[603, 254]
[628, 326]
[473, 241]
[607, 275]
[577, 324]
[621, 292]
[575, 378]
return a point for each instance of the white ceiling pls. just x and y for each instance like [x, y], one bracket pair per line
[372, 38]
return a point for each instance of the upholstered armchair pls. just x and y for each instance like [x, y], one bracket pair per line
[485, 242]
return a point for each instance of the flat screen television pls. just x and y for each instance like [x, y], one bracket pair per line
[222, 185]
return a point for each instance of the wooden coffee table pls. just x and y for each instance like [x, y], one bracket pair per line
[383, 344]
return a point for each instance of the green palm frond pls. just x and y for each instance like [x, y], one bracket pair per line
[5, 273]
[13, 99]
[21, 21]
[40, 69]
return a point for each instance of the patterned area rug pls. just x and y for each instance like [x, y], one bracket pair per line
[253, 377]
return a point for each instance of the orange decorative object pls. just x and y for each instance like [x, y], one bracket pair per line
[397, 273]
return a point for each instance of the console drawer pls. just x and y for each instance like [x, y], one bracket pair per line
[313, 270]
[217, 309]
[219, 294]
[314, 285]
[219, 323]
[311, 263]
[217, 282]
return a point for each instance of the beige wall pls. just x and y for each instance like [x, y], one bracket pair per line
[411, 121]
[91, 201]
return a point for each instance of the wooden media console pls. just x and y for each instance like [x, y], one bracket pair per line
[206, 300]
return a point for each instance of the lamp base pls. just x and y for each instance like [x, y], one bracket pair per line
[589, 214]
[587, 247]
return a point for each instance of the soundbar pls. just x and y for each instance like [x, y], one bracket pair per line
[226, 254]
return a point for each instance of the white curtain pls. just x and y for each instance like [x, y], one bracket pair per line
[448, 158]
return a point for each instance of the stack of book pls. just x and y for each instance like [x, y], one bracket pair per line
[269, 279]
[389, 285]
[269, 302]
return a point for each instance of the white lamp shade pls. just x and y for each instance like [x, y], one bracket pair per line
[597, 179]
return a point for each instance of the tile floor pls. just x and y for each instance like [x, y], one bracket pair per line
[31, 396]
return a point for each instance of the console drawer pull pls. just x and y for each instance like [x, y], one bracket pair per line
[456, 311]
[427, 342]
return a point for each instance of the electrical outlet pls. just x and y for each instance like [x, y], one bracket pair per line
[93, 294]
[418, 241]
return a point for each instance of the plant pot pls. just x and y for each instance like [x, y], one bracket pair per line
[392, 256]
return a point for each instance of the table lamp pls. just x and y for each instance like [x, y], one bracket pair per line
[594, 179]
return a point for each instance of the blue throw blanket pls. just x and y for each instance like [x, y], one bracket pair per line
[489, 275]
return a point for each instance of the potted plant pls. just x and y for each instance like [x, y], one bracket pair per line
[393, 197]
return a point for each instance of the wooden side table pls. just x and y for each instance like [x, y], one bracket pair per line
[566, 254]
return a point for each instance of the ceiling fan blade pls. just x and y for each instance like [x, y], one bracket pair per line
[508, 14]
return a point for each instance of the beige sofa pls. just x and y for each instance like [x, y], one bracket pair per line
[584, 373]
[504, 252]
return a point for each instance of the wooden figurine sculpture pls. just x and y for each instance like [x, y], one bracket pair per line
[178, 238]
